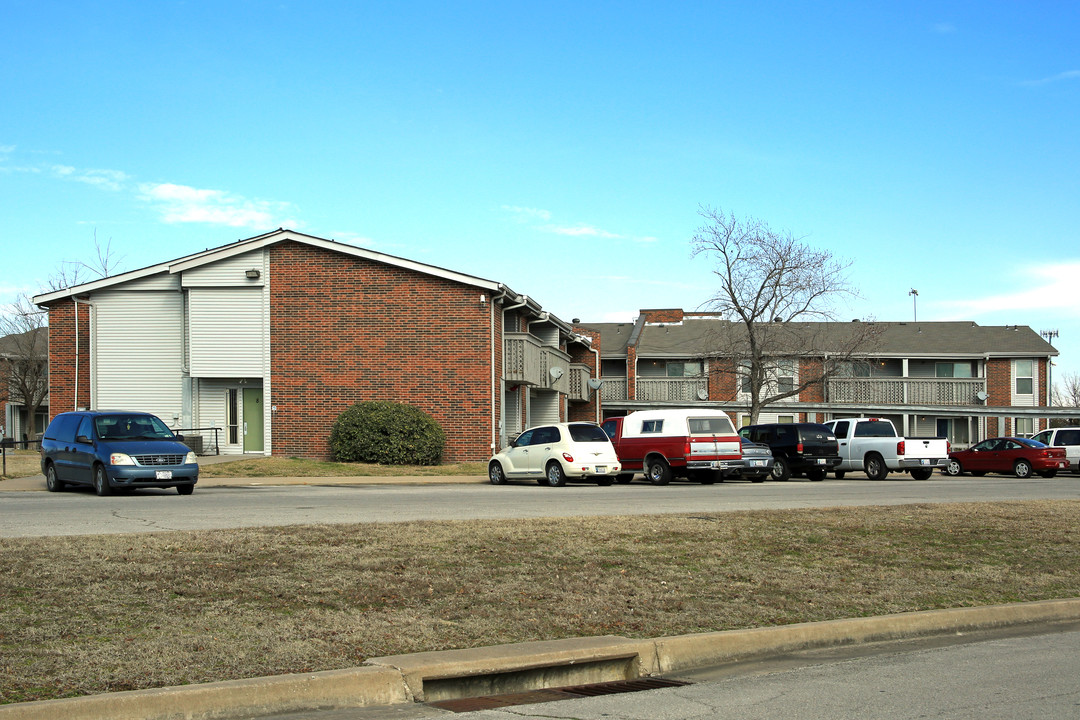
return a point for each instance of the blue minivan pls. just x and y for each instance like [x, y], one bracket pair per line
[115, 450]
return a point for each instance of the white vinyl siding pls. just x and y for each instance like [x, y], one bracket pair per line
[138, 344]
[212, 405]
[543, 407]
[225, 331]
[513, 413]
[230, 272]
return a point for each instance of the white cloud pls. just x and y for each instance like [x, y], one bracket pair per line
[185, 204]
[580, 231]
[527, 214]
[1043, 287]
[1067, 75]
[113, 180]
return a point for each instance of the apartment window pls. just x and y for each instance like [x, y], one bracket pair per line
[744, 378]
[785, 376]
[1023, 372]
[954, 370]
[232, 416]
[785, 419]
[1025, 427]
[683, 369]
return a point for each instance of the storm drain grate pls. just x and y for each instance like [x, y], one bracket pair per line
[491, 702]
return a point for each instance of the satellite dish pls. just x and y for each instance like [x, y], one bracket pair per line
[595, 383]
[556, 372]
[982, 395]
[702, 394]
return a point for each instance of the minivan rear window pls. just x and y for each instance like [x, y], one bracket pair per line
[587, 433]
[63, 427]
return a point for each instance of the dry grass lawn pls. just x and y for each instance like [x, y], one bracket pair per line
[100, 613]
[20, 463]
[299, 467]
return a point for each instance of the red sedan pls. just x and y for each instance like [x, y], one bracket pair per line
[1009, 455]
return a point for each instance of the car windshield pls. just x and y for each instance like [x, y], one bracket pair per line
[131, 427]
[587, 433]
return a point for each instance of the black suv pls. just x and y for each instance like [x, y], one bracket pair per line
[797, 448]
[115, 450]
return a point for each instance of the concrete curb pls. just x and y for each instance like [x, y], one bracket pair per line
[506, 668]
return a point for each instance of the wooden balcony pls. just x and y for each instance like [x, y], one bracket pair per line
[672, 389]
[907, 391]
[521, 358]
[579, 382]
[614, 388]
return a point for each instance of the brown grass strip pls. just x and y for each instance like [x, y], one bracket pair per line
[92, 614]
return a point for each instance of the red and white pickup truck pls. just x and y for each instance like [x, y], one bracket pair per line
[700, 445]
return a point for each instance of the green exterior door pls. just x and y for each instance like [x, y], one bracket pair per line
[253, 420]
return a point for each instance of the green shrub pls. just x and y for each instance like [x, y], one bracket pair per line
[387, 433]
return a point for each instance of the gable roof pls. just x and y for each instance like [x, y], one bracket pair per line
[211, 255]
[692, 336]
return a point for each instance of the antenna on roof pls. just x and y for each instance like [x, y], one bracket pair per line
[914, 302]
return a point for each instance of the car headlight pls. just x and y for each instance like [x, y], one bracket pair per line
[191, 459]
[120, 459]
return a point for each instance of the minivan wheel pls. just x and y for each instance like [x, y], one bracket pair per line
[53, 483]
[185, 489]
[101, 481]
[555, 475]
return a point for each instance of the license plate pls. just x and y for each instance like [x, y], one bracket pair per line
[820, 461]
[601, 469]
[163, 474]
[924, 461]
[757, 463]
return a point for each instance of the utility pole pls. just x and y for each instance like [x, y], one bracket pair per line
[1050, 336]
[914, 302]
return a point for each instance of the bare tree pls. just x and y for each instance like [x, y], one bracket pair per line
[780, 296]
[73, 272]
[1066, 392]
[24, 358]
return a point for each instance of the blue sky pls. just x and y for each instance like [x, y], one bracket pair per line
[562, 148]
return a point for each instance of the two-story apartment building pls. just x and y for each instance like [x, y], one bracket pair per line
[23, 368]
[257, 346]
[954, 379]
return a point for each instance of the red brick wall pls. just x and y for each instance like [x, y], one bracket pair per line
[999, 382]
[345, 330]
[585, 356]
[665, 315]
[723, 382]
[62, 380]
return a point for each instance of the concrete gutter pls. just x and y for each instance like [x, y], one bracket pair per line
[430, 676]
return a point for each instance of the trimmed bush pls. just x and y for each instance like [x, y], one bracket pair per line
[387, 433]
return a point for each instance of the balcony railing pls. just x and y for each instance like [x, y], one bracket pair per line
[908, 391]
[672, 389]
[560, 380]
[614, 388]
[579, 382]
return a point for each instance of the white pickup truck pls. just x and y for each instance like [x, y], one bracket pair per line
[872, 445]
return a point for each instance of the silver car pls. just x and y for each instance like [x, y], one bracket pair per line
[553, 454]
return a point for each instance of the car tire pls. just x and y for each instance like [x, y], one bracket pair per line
[1022, 469]
[185, 489]
[495, 473]
[101, 481]
[781, 471]
[921, 474]
[954, 468]
[816, 475]
[554, 475]
[658, 472]
[839, 474]
[874, 466]
[605, 481]
[53, 483]
[1048, 474]
[624, 478]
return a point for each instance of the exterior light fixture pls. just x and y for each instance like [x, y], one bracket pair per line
[252, 274]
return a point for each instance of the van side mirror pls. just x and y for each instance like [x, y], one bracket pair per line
[82, 439]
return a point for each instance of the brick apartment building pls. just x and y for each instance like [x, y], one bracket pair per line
[954, 379]
[257, 346]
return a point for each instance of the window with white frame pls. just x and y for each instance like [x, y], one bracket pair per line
[1024, 377]
[785, 376]
[1025, 427]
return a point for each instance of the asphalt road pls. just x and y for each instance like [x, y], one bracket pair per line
[80, 512]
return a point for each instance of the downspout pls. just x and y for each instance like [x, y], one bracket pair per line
[494, 378]
[88, 304]
[597, 354]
